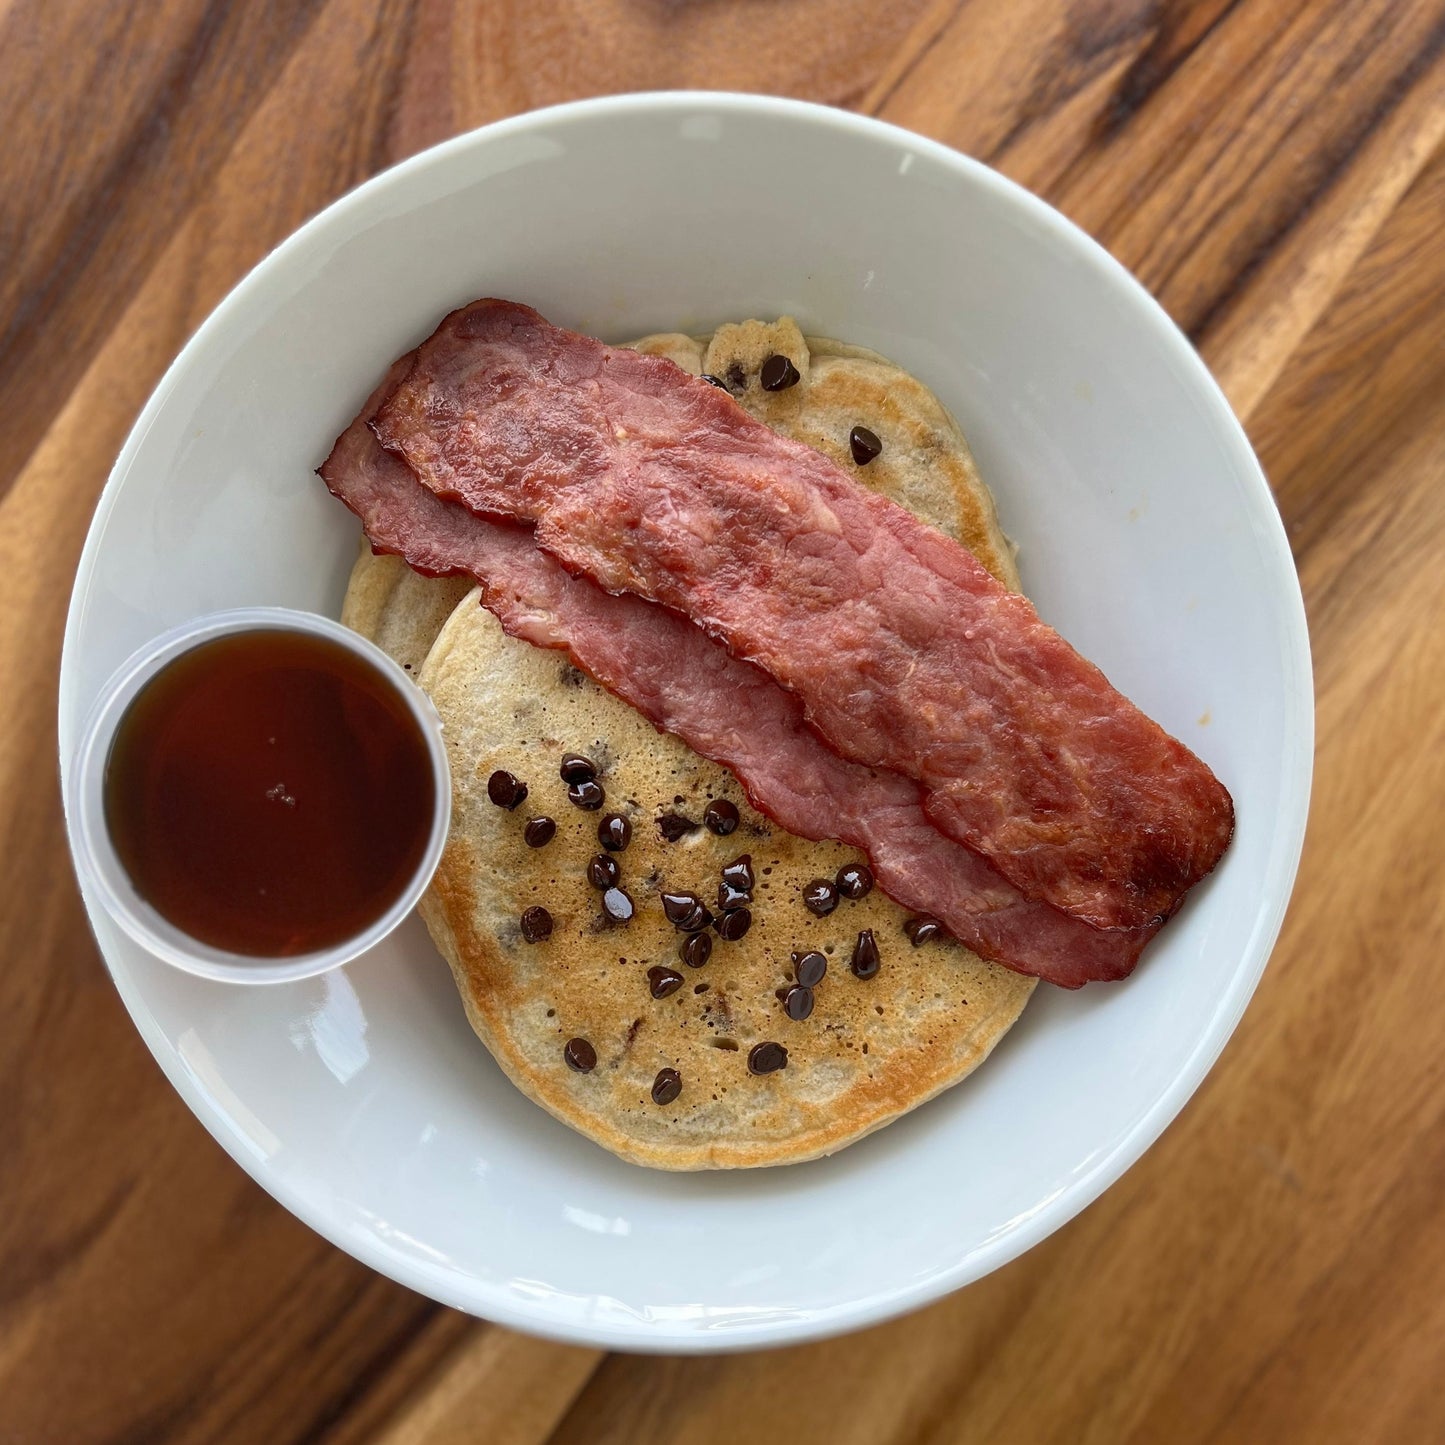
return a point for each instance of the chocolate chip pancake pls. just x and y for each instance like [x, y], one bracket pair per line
[398, 609]
[806, 1028]
[923, 460]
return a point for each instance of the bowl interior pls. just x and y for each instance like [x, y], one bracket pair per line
[1147, 536]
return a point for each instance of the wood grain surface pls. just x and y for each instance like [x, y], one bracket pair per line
[1274, 1269]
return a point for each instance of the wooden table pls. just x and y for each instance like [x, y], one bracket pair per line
[1274, 1269]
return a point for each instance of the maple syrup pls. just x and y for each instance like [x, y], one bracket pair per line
[270, 793]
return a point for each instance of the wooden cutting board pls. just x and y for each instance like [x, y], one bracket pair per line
[1274, 1269]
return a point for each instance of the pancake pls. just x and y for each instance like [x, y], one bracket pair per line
[872, 1048]
[398, 609]
[925, 463]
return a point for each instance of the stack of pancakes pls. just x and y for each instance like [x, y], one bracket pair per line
[872, 1048]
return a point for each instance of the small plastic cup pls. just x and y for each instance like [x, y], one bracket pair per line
[104, 876]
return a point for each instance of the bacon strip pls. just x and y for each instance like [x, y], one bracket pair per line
[723, 708]
[903, 650]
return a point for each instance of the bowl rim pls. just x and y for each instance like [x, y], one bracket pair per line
[491, 1300]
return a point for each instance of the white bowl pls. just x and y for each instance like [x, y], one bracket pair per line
[1148, 535]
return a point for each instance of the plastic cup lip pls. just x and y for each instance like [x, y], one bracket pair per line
[103, 875]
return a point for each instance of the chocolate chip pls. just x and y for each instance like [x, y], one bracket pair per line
[854, 880]
[580, 1055]
[666, 1086]
[536, 925]
[663, 981]
[614, 832]
[923, 929]
[716, 381]
[696, 949]
[865, 955]
[864, 445]
[686, 911]
[798, 1002]
[505, 790]
[810, 968]
[767, 1058]
[577, 769]
[673, 826]
[730, 897]
[721, 817]
[587, 795]
[739, 873]
[779, 373]
[539, 832]
[602, 871]
[820, 897]
[733, 924]
[677, 906]
[617, 904]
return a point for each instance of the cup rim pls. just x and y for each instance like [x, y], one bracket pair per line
[99, 866]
